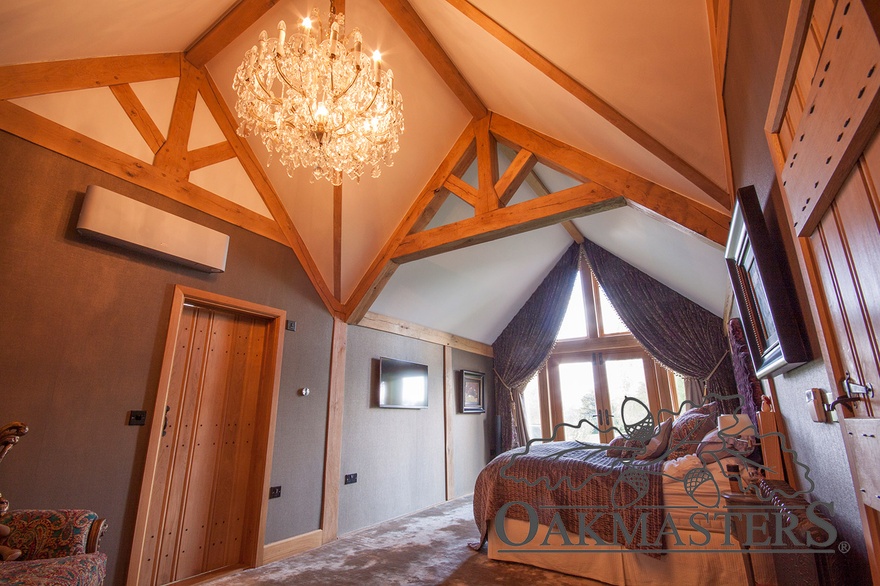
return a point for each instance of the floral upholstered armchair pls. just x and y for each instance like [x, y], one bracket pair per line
[57, 546]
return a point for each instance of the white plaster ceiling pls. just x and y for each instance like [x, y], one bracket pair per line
[650, 60]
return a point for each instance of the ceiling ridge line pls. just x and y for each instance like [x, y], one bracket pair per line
[593, 101]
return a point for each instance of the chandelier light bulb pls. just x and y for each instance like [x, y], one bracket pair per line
[316, 103]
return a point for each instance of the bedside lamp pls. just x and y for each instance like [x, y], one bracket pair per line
[735, 425]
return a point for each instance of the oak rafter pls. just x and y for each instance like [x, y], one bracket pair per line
[410, 22]
[420, 213]
[33, 79]
[594, 102]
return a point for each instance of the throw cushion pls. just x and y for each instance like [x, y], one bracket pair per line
[687, 431]
[618, 442]
[658, 443]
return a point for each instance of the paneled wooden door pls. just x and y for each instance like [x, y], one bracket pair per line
[846, 251]
[209, 467]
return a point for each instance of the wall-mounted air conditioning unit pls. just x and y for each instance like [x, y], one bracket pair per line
[110, 217]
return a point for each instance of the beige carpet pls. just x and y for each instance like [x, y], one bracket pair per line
[428, 547]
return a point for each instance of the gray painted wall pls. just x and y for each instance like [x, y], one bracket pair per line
[83, 327]
[756, 30]
[398, 454]
[472, 434]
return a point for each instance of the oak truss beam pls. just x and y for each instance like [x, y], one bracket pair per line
[232, 24]
[419, 215]
[408, 20]
[670, 205]
[33, 79]
[257, 174]
[581, 200]
[604, 186]
[41, 131]
[169, 173]
[593, 101]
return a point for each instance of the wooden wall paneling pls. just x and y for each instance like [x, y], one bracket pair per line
[823, 10]
[809, 59]
[448, 414]
[38, 130]
[34, 79]
[833, 296]
[333, 443]
[138, 116]
[842, 113]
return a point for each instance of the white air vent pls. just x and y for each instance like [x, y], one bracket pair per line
[110, 217]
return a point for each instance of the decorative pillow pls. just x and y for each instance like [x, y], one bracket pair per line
[712, 408]
[687, 431]
[657, 445]
[619, 441]
[714, 447]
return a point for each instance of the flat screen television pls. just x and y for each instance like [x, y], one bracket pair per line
[402, 385]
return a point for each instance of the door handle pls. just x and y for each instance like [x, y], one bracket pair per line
[165, 423]
[607, 419]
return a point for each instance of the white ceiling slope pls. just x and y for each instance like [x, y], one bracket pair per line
[651, 61]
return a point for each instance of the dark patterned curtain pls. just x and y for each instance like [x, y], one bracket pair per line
[678, 333]
[525, 344]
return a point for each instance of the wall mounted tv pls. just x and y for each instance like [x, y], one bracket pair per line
[402, 385]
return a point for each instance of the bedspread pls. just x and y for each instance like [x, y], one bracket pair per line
[575, 484]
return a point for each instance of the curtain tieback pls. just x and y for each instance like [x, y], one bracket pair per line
[714, 370]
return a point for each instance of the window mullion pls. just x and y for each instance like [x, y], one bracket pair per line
[587, 284]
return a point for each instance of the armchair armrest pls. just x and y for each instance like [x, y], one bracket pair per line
[43, 534]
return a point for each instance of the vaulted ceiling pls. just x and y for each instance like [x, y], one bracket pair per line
[527, 124]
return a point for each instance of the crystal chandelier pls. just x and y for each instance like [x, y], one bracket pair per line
[319, 101]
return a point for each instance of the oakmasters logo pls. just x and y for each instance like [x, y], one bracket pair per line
[698, 485]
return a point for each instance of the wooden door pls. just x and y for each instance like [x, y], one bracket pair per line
[203, 499]
[823, 118]
[846, 251]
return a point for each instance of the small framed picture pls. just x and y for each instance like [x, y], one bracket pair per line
[473, 399]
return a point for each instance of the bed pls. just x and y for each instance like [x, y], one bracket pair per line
[641, 511]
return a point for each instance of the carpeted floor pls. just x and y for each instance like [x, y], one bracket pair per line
[428, 547]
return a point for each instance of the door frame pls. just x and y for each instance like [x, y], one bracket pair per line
[257, 498]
